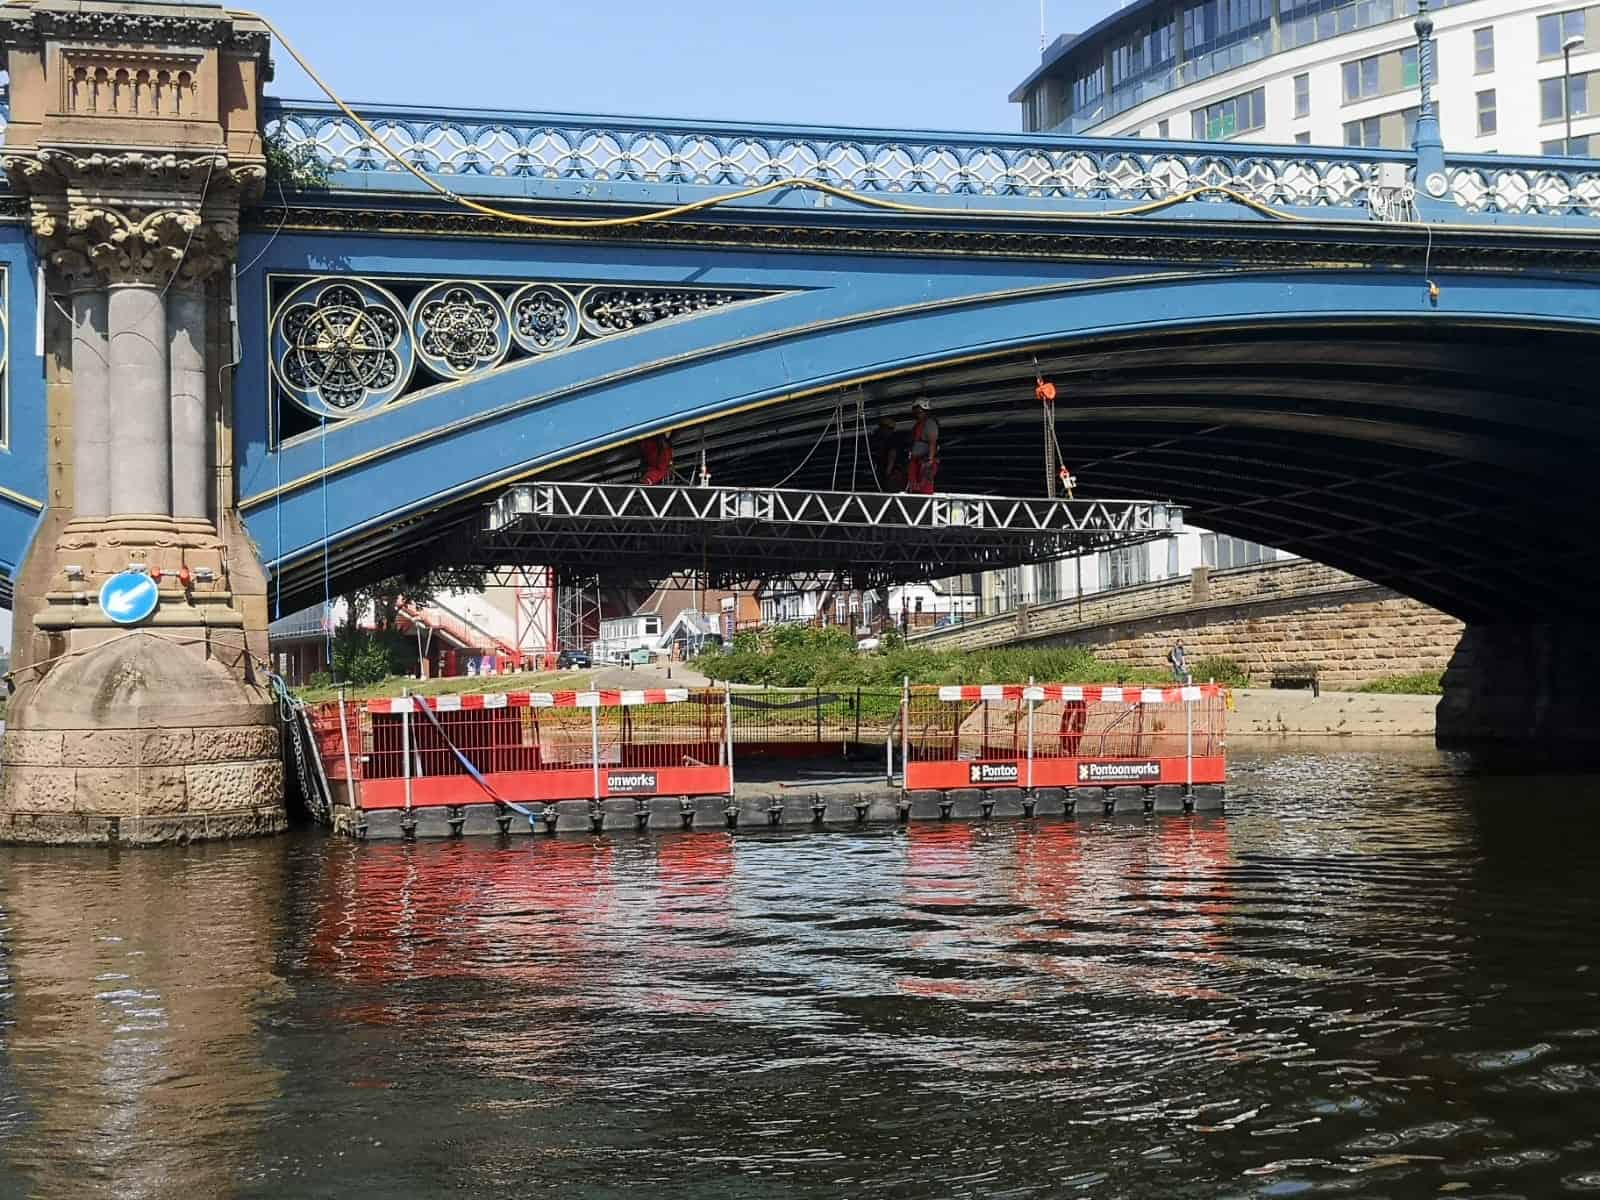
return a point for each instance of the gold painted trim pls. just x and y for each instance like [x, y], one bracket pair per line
[768, 338]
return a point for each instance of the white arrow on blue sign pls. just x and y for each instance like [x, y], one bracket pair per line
[129, 597]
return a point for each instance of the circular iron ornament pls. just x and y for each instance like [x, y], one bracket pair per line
[341, 347]
[543, 318]
[459, 328]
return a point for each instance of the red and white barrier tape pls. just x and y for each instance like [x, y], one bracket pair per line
[1087, 695]
[606, 699]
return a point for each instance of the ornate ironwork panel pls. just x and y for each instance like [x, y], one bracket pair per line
[344, 346]
[544, 318]
[1508, 188]
[460, 328]
[341, 346]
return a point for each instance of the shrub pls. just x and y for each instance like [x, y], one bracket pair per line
[1229, 671]
[320, 679]
[1423, 683]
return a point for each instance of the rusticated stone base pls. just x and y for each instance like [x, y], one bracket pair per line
[1523, 690]
[141, 739]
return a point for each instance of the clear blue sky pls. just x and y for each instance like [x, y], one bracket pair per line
[934, 64]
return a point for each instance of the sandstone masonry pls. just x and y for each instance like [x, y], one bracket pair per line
[1272, 617]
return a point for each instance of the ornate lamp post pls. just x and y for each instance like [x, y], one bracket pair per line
[1567, 47]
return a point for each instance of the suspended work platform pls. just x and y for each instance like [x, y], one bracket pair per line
[735, 535]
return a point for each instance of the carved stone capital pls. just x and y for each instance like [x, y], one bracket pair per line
[136, 217]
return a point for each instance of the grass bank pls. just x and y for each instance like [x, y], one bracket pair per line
[1423, 683]
[796, 656]
[547, 681]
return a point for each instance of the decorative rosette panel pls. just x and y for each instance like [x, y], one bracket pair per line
[341, 347]
[460, 328]
[608, 310]
[544, 317]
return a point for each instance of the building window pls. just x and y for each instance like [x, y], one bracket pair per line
[1161, 128]
[1550, 108]
[1302, 95]
[1302, 139]
[1486, 115]
[1046, 586]
[1221, 552]
[1483, 50]
[1555, 28]
[1408, 67]
[1127, 567]
[1368, 133]
[1361, 79]
[1578, 147]
[1230, 117]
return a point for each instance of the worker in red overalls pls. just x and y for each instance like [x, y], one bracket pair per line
[656, 454]
[922, 464]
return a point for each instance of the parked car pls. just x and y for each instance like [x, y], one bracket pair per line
[574, 660]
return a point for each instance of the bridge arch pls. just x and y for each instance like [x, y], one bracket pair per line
[1335, 411]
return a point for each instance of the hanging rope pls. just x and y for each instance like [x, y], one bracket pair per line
[775, 185]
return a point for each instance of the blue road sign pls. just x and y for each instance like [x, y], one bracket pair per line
[129, 597]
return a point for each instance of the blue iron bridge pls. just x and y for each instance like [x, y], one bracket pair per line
[1384, 361]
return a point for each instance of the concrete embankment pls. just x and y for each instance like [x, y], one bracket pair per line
[1265, 713]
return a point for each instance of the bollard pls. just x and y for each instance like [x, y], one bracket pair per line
[986, 807]
[861, 806]
[550, 816]
[1069, 806]
[902, 809]
[504, 822]
[361, 831]
[641, 814]
[775, 812]
[945, 805]
[730, 813]
[686, 812]
[1149, 801]
[1029, 803]
[457, 820]
[1188, 797]
[1108, 801]
[819, 808]
[597, 817]
[408, 826]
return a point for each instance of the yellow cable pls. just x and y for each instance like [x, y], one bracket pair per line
[815, 185]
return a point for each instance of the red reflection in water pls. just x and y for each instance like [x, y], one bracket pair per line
[394, 913]
[940, 873]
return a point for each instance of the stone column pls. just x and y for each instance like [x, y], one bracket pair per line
[1525, 693]
[91, 392]
[164, 729]
[191, 451]
[141, 417]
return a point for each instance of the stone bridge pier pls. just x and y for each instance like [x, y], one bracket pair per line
[135, 137]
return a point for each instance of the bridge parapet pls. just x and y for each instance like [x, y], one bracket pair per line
[483, 153]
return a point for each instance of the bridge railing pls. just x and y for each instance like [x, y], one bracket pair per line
[482, 151]
[502, 153]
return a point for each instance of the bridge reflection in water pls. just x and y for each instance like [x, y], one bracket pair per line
[1377, 972]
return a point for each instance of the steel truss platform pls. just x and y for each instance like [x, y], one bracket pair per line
[732, 536]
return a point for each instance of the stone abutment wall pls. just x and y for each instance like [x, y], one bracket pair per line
[1270, 617]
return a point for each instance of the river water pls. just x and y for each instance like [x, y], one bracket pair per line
[1376, 976]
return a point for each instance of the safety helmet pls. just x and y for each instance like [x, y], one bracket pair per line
[921, 402]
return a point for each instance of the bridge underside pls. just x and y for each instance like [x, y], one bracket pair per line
[1445, 460]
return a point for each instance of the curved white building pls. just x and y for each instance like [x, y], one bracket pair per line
[1326, 73]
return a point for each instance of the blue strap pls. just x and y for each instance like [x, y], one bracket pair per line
[466, 762]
